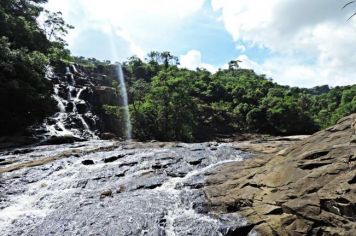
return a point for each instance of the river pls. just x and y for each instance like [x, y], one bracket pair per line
[113, 188]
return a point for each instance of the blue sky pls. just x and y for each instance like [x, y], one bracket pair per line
[296, 42]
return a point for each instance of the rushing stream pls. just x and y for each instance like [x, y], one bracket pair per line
[112, 188]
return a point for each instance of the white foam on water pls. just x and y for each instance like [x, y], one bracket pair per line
[23, 205]
[40, 198]
[43, 197]
[179, 210]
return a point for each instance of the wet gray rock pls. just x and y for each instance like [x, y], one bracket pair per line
[113, 158]
[143, 189]
[107, 193]
[195, 160]
[88, 162]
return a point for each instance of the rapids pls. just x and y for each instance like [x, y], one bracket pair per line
[112, 188]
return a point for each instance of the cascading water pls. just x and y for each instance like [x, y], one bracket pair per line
[153, 190]
[70, 120]
[123, 91]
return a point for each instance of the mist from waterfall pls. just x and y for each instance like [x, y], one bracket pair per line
[123, 92]
[122, 86]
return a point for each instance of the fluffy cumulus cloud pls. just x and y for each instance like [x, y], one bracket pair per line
[140, 23]
[296, 42]
[193, 59]
[310, 42]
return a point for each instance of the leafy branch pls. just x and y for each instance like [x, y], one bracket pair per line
[346, 5]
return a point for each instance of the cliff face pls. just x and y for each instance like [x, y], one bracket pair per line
[80, 94]
[306, 189]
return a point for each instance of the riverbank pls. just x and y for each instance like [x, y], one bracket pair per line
[305, 189]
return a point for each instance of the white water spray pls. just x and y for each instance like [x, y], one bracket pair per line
[123, 91]
[121, 80]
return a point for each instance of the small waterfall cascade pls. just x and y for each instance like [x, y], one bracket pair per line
[123, 92]
[74, 117]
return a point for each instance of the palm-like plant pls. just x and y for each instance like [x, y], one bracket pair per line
[347, 4]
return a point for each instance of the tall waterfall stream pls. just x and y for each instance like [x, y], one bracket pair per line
[123, 91]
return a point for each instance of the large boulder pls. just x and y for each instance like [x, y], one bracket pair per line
[306, 189]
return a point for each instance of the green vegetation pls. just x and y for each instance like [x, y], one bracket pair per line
[170, 103]
[166, 102]
[26, 49]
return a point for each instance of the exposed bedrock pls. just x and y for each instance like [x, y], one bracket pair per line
[306, 189]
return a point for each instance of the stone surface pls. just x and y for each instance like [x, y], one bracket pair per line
[306, 189]
[105, 95]
[107, 193]
[132, 188]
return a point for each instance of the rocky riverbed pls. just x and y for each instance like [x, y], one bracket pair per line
[268, 186]
[113, 188]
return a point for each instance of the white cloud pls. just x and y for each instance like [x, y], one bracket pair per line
[134, 47]
[241, 47]
[193, 60]
[247, 63]
[138, 22]
[310, 41]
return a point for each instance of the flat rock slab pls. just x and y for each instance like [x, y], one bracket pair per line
[306, 189]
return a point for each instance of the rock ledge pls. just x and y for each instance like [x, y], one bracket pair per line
[306, 189]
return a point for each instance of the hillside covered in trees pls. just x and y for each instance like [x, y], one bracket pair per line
[166, 102]
[171, 103]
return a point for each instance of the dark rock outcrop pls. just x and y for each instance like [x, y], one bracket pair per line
[108, 136]
[81, 94]
[105, 95]
[16, 141]
[88, 162]
[61, 140]
[113, 158]
[306, 189]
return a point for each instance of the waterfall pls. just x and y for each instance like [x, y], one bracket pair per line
[69, 120]
[127, 120]
[60, 102]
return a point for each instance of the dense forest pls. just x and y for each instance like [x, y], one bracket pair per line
[167, 102]
[171, 103]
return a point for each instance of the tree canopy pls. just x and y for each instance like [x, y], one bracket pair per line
[26, 51]
[172, 103]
